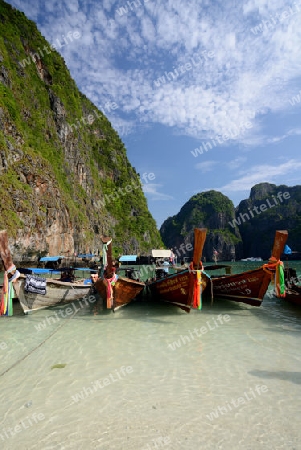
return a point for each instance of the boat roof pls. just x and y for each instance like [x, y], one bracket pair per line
[31, 270]
[161, 253]
[128, 258]
[86, 255]
[51, 258]
[37, 270]
[87, 269]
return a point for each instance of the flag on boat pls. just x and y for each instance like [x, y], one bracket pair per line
[287, 250]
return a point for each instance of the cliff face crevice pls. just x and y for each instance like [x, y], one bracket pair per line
[61, 162]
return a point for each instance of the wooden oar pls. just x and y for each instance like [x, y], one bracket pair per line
[279, 243]
[199, 241]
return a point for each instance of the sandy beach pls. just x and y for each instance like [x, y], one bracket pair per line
[152, 377]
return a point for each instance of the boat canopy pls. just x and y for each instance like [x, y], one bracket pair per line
[161, 253]
[85, 255]
[128, 258]
[51, 258]
[85, 269]
[37, 271]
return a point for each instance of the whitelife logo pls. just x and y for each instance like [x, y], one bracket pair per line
[100, 384]
[263, 207]
[247, 397]
[199, 332]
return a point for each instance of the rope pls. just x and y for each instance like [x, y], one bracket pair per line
[38, 346]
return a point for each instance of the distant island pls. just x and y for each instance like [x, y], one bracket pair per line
[242, 232]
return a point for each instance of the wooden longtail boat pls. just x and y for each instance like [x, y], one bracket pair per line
[292, 287]
[184, 289]
[250, 287]
[57, 293]
[115, 290]
[293, 294]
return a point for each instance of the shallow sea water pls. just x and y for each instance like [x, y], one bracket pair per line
[140, 378]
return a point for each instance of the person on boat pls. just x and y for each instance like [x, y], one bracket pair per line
[183, 265]
[172, 257]
[116, 265]
[94, 277]
[166, 264]
[67, 276]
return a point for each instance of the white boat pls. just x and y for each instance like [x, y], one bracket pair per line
[252, 258]
[36, 293]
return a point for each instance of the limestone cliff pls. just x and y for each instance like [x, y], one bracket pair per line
[64, 174]
[211, 210]
[269, 208]
[245, 231]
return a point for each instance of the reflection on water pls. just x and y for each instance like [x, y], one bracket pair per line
[193, 385]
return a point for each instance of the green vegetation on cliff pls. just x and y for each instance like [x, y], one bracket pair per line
[269, 208]
[211, 210]
[60, 158]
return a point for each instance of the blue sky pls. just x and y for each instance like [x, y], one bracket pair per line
[186, 73]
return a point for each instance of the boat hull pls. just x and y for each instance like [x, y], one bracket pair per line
[293, 295]
[246, 287]
[177, 289]
[57, 292]
[124, 291]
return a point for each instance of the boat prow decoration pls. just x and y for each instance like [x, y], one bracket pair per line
[116, 291]
[185, 288]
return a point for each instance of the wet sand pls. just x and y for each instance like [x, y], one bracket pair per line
[152, 377]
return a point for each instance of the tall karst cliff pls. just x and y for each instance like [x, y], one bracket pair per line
[211, 210]
[245, 231]
[269, 208]
[64, 174]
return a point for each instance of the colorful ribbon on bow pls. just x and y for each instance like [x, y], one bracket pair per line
[197, 294]
[276, 266]
[6, 302]
[110, 283]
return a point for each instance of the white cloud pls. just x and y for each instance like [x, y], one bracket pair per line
[122, 57]
[152, 192]
[260, 174]
[206, 166]
[236, 163]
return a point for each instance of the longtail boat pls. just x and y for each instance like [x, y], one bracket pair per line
[250, 287]
[34, 293]
[292, 292]
[184, 289]
[47, 292]
[115, 290]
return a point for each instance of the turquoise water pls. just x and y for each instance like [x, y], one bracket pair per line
[152, 377]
